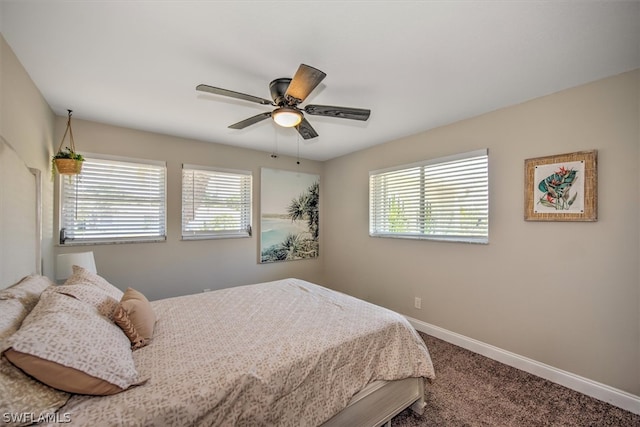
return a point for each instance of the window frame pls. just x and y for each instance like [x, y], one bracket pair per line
[242, 232]
[376, 229]
[162, 225]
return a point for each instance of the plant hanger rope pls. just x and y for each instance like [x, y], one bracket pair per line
[72, 146]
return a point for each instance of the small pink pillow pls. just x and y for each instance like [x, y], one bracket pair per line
[140, 313]
[121, 318]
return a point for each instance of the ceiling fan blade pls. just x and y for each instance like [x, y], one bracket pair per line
[233, 94]
[305, 80]
[306, 130]
[340, 112]
[250, 121]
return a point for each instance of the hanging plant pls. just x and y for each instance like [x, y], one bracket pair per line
[67, 161]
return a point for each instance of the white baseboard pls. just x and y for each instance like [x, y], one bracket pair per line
[616, 397]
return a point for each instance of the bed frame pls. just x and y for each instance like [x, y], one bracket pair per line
[380, 401]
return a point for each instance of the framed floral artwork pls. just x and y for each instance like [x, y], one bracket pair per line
[561, 187]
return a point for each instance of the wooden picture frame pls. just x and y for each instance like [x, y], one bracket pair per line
[562, 187]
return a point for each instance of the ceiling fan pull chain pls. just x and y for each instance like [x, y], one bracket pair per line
[274, 153]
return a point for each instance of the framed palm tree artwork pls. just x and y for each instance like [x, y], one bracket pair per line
[562, 187]
[289, 218]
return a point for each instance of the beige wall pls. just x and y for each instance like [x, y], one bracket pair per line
[27, 123]
[178, 267]
[565, 294]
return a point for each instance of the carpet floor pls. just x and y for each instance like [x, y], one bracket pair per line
[472, 390]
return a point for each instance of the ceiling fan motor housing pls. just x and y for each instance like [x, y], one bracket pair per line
[278, 88]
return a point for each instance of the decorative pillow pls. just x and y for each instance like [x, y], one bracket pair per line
[140, 312]
[92, 295]
[27, 290]
[82, 275]
[121, 318]
[66, 344]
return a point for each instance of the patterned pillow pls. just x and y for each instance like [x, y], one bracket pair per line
[92, 295]
[22, 394]
[27, 290]
[82, 275]
[12, 313]
[17, 301]
[140, 312]
[66, 344]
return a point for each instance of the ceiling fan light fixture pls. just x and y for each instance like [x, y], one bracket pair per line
[287, 117]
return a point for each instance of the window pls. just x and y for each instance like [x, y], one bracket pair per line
[113, 200]
[216, 203]
[440, 199]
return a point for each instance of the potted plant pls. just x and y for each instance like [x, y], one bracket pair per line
[67, 161]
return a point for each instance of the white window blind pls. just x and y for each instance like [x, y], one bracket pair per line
[113, 200]
[439, 199]
[216, 203]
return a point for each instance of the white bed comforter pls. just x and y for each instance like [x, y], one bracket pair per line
[279, 353]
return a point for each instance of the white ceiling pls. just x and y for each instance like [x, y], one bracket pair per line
[415, 64]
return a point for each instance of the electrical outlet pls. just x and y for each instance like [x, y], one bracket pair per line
[417, 303]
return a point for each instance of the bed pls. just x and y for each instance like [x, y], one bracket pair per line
[286, 352]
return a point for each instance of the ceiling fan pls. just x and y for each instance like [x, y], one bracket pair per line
[287, 94]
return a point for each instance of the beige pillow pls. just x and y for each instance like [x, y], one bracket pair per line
[121, 318]
[140, 313]
[62, 336]
[82, 275]
[92, 295]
